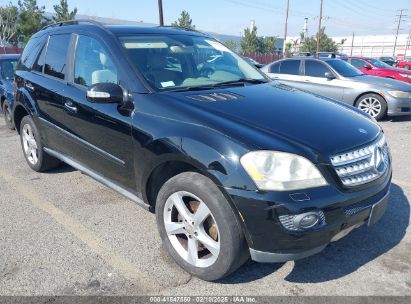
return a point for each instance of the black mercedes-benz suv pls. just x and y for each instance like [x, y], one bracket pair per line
[233, 165]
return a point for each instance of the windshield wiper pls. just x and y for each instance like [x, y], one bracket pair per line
[237, 82]
[241, 81]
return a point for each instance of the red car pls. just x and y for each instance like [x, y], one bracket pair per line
[378, 68]
[405, 64]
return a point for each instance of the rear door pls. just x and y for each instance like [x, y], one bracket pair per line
[286, 71]
[48, 82]
[314, 80]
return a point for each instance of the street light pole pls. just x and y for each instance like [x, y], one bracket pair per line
[319, 26]
[160, 12]
[286, 27]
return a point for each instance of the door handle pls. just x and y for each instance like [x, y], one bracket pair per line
[29, 86]
[69, 105]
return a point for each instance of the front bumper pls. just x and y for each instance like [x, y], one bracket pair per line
[398, 106]
[271, 242]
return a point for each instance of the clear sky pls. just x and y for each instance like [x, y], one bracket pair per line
[342, 17]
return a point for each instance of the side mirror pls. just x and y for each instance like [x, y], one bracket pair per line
[368, 67]
[329, 76]
[105, 92]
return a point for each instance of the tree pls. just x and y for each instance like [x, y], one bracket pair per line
[326, 43]
[31, 18]
[251, 43]
[232, 45]
[184, 21]
[268, 45]
[63, 13]
[8, 24]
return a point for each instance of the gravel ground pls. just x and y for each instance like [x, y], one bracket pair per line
[61, 233]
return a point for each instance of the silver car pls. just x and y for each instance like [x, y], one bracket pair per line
[337, 79]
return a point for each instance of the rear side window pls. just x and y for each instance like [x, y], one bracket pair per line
[315, 69]
[291, 67]
[359, 64]
[41, 59]
[275, 68]
[30, 53]
[55, 63]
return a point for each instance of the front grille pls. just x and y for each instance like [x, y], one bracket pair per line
[362, 165]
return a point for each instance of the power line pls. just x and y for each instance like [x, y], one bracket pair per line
[400, 17]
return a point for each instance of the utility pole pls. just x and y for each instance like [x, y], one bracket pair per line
[408, 42]
[286, 27]
[400, 17]
[319, 26]
[352, 42]
[160, 12]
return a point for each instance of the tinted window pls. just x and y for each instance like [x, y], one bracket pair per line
[41, 59]
[56, 54]
[30, 53]
[315, 68]
[275, 68]
[7, 69]
[92, 63]
[359, 64]
[291, 67]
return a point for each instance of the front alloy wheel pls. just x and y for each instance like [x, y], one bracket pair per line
[199, 228]
[191, 229]
[374, 105]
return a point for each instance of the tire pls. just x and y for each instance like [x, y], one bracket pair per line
[7, 115]
[220, 230]
[30, 139]
[373, 104]
[407, 67]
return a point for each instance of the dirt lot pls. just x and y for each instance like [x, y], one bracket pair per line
[61, 233]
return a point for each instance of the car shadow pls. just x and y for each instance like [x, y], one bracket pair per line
[344, 256]
[64, 168]
[398, 118]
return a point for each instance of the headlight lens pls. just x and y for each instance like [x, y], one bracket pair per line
[400, 94]
[405, 75]
[280, 171]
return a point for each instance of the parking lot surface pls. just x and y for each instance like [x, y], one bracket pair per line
[62, 233]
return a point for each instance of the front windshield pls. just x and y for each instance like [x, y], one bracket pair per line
[181, 61]
[378, 63]
[344, 69]
[7, 68]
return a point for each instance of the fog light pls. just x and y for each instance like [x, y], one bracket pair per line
[306, 220]
[303, 221]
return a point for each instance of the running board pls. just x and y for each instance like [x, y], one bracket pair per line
[105, 181]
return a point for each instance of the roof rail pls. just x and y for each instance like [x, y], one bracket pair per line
[182, 28]
[71, 22]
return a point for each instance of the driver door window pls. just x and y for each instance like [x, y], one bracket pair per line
[92, 63]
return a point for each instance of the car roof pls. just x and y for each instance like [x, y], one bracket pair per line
[311, 58]
[9, 56]
[119, 29]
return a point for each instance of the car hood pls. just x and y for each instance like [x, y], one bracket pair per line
[382, 83]
[281, 113]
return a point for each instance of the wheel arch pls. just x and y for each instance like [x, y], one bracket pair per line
[366, 93]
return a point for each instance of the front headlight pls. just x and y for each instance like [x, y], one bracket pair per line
[405, 75]
[280, 171]
[400, 94]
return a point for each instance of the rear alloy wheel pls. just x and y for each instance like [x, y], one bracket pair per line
[7, 115]
[30, 138]
[199, 227]
[373, 104]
